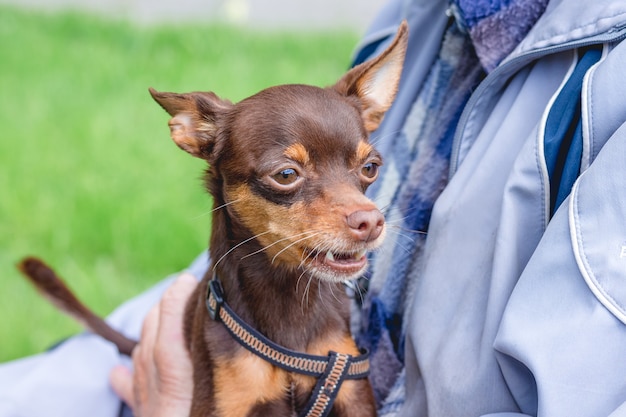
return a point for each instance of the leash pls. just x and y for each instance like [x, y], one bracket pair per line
[330, 370]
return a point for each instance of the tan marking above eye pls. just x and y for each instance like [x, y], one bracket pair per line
[363, 151]
[298, 153]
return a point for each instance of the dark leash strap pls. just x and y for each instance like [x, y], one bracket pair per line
[330, 370]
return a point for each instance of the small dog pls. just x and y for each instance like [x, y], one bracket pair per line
[268, 326]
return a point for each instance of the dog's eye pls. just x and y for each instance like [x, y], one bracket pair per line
[370, 170]
[286, 176]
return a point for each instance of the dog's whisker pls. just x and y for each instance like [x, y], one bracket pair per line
[225, 205]
[398, 223]
[294, 243]
[332, 292]
[385, 249]
[238, 245]
[214, 209]
[304, 292]
[307, 289]
[319, 295]
[358, 290]
[309, 254]
[298, 280]
[374, 140]
[385, 209]
[396, 219]
[404, 235]
[277, 242]
[382, 197]
[407, 230]
[319, 248]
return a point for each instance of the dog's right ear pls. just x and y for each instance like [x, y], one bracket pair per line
[375, 82]
[195, 119]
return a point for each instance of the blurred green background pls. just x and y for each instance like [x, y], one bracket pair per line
[89, 179]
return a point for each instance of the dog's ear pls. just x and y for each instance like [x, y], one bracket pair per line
[195, 119]
[375, 82]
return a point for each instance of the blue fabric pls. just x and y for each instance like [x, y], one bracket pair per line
[415, 173]
[571, 166]
[497, 26]
[563, 135]
[476, 10]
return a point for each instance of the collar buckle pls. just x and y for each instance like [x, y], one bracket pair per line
[214, 299]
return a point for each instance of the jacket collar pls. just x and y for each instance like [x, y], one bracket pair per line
[570, 21]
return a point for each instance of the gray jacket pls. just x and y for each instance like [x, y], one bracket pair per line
[515, 313]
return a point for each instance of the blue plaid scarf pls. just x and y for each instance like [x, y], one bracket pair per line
[481, 34]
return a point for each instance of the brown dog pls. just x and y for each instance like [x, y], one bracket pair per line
[287, 169]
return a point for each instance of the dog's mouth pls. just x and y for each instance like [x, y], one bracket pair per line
[339, 265]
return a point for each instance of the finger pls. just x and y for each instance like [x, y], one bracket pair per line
[150, 328]
[172, 309]
[143, 359]
[176, 296]
[121, 380]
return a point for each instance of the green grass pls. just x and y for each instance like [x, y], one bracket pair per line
[90, 180]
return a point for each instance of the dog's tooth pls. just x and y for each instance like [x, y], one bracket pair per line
[330, 257]
[360, 254]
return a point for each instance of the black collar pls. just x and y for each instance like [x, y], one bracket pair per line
[330, 370]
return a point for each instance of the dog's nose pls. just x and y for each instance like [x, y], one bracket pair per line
[366, 225]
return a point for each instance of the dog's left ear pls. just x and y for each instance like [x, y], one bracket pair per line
[375, 82]
[195, 120]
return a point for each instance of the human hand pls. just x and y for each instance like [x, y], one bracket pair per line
[161, 384]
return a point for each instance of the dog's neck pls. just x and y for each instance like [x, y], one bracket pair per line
[290, 308]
